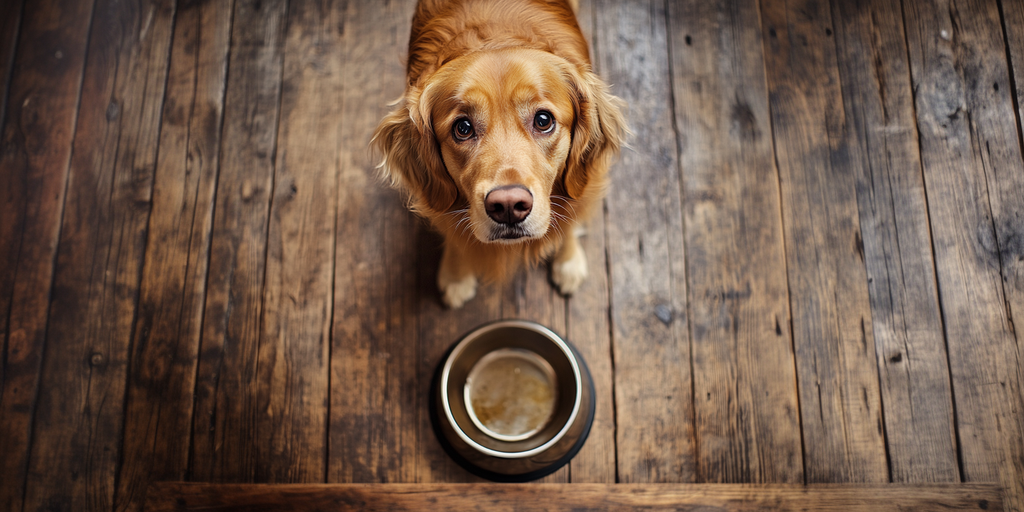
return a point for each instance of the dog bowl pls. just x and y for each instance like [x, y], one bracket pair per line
[512, 401]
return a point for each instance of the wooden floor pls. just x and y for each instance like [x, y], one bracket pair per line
[809, 269]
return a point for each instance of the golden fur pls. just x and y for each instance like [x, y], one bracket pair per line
[498, 65]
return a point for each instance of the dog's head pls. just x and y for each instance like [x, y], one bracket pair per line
[498, 134]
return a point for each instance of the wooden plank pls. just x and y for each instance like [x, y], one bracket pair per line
[653, 394]
[975, 183]
[294, 359]
[1013, 269]
[35, 153]
[180, 497]
[587, 329]
[378, 393]
[745, 400]
[906, 321]
[1011, 241]
[10, 24]
[79, 418]
[165, 352]
[816, 153]
[227, 406]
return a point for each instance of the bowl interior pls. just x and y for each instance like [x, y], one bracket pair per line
[501, 409]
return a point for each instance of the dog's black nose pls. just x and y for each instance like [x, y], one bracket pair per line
[509, 205]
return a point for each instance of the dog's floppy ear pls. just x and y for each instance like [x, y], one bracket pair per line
[412, 159]
[598, 132]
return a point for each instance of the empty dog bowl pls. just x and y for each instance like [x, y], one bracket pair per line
[512, 401]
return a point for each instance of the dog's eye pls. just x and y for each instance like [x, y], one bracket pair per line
[544, 121]
[462, 130]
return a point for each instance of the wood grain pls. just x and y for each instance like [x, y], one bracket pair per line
[35, 154]
[653, 393]
[1013, 269]
[165, 352]
[587, 329]
[76, 444]
[378, 393]
[298, 298]
[227, 407]
[745, 400]
[173, 497]
[816, 153]
[975, 183]
[10, 24]
[906, 320]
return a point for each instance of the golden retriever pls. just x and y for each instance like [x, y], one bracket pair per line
[502, 139]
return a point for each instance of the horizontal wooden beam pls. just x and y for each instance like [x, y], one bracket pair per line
[179, 497]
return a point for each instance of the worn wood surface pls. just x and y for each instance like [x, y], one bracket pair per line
[646, 261]
[973, 174]
[906, 321]
[77, 435]
[744, 396]
[10, 23]
[818, 161]
[165, 352]
[378, 397]
[808, 268]
[173, 497]
[35, 153]
[293, 363]
[227, 408]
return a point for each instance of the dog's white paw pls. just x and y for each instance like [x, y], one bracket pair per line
[568, 275]
[454, 294]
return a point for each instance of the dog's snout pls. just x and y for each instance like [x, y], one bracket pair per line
[509, 205]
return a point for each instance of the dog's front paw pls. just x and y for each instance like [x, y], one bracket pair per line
[568, 275]
[455, 293]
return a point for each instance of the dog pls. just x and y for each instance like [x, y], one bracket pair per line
[503, 138]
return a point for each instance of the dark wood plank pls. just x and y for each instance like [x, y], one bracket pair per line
[227, 402]
[816, 154]
[10, 24]
[644, 237]
[175, 497]
[378, 392]
[975, 182]
[35, 153]
[165, 352]
[298, 299]
[906, 321]
[76, 444]
[745, 400]
[1013, 25]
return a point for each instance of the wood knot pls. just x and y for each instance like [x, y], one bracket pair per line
[664, 313]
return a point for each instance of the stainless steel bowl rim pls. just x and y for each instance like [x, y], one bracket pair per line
[523, 324]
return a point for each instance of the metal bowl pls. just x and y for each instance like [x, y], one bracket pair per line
[512, 401]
